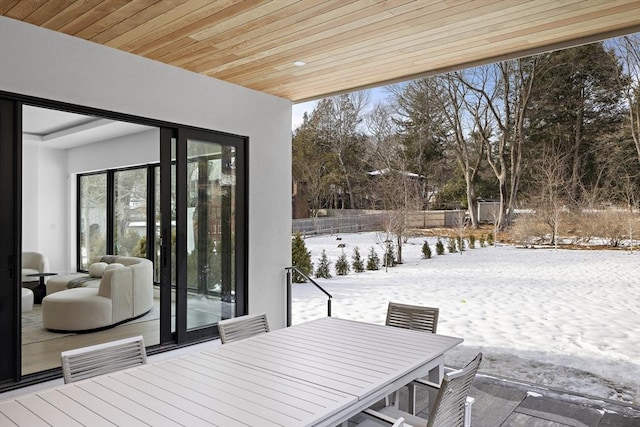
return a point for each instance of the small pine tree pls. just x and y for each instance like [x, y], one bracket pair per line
[472, 241]
[490, 239]
[342, 265]
[389, 255]
[373, 262]
[426, 250]
[322, 272]
[300, 258]
[451, 245]
[460, 244]
[358, 263]
[439, 247]
[482, 241]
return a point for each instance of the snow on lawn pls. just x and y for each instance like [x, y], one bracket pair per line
[567, 319]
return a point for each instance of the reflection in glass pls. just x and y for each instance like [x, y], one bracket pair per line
[130, 212]
[93, 218]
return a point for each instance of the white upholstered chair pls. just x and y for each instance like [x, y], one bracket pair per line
[87, 362]
[242, 327]
[32, 263]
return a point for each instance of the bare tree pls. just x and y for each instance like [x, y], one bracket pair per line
[391, 185]
[629, 194]
[340, 136]
[461, 114]
[504, 89]
[550, 174]
[628, 49]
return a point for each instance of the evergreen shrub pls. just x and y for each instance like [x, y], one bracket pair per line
[439, 247]
[358, 263]
[342, 265]
[322, 272]
[451, 245]
[472, 241]
[426, 250]
[373, 262]
[490, 239]
[300, 258]
[389, 255]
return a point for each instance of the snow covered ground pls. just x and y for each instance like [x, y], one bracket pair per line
[568, 319]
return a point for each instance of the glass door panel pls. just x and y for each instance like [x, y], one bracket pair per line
[211, 185]
[166, 229]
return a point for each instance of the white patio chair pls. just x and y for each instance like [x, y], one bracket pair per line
[418, 318]
[448, 410]
[414, 317]
[87, 362]
[242, 327]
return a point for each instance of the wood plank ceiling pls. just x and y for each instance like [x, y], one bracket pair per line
[346, 44]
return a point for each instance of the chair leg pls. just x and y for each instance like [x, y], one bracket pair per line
[412, 399]
[467, 411]
[393, 399]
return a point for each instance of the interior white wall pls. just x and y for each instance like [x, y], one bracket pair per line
[44, 204]
[41, 63]
[53, 212]
[30, 190]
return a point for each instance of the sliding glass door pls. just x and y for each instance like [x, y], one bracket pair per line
[211, 236]
[186, 213]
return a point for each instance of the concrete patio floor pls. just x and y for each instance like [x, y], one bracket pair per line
[500, 402]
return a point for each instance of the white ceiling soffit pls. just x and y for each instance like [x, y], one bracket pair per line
[59, 129]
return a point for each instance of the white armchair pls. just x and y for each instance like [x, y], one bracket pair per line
[32, 263]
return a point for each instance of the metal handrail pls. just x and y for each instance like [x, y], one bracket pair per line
[290, 281]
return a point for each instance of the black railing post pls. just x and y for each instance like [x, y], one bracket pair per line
[329, 307]
[289, 297]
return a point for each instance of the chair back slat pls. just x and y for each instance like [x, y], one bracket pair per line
[412, 317]
[242, 327]
[449, 407]
[87, 362]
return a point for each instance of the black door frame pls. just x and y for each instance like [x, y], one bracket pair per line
[10, 241]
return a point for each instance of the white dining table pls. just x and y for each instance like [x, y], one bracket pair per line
[318, 373]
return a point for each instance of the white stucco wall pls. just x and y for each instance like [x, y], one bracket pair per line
[45, 64]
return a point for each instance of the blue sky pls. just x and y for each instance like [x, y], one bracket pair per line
[298, 110]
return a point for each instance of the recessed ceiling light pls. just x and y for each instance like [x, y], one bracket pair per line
[299, 63]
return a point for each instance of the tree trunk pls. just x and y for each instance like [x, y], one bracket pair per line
[577, 142]
[472, 200]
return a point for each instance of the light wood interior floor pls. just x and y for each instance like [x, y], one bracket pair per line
[44, 355]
